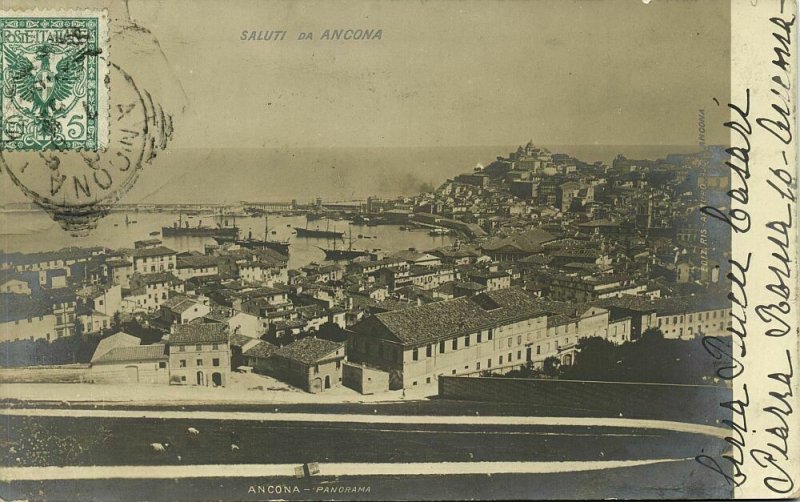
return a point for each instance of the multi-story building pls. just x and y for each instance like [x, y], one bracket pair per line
[495, 329]
[188, 266]
[182, 310]
[199, 354]
[153, 260]
[119, 271]
[689, 317]
[25, 318]
[490, 279]
[149, 292]
[582, 288]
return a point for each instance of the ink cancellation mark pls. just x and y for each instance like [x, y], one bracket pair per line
[54, 67]
[78, 187]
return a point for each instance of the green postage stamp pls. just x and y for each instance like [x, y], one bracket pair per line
[53, 71]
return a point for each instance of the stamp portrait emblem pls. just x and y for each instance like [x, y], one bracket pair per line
[53, 92]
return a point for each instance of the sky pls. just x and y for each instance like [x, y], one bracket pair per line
[447, 73]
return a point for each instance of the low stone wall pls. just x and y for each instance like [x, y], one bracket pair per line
[69, 373]
[696, 403]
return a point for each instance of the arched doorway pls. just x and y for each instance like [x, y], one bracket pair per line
[316, 385]
[200, 378]
[327, 382]
[216, 379]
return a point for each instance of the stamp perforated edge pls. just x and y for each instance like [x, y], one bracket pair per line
[104, 60]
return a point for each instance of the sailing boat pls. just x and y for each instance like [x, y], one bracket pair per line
[281, 247]
[343, 254]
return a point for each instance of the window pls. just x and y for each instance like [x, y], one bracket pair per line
[500, 360]
[415, 355]
[198, 347]
[428, 380]
[466, 341]
[538, 349]
[429, 351]
[519, 340]
[455, 343]
[488, 363]
[215, 346]
[183, 363]
[199, 362]
[441, 347]
[162, 365]
[215, 361]
[491, 334]
[182, 348]
[316, 369]
[453, 372]
[183, 379]
[519, 355]
[509, 341]
[479, 338]
[338, 365]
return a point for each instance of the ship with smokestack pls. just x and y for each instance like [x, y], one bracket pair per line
[318, 233]
[184, 228]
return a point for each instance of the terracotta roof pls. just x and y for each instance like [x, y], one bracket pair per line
[120, 339]
[195, 261]
[188, 334]
[157, 277]
[261, 349]
[180, 304]
[309, 350]
[530, 241]
[441, 320]
[156, 251]
[153, 352]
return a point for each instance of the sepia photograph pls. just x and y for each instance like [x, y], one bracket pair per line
[384, 250]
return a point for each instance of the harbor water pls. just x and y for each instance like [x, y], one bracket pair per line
[34, 231]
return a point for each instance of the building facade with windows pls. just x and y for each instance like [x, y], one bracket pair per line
[689, 317]
[492, 331]
[153, 260]
[313, 364]
[25, 318]
[199, 354]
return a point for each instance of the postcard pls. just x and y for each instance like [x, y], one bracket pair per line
[383, 250]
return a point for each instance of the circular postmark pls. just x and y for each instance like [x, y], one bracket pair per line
[78, 187]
